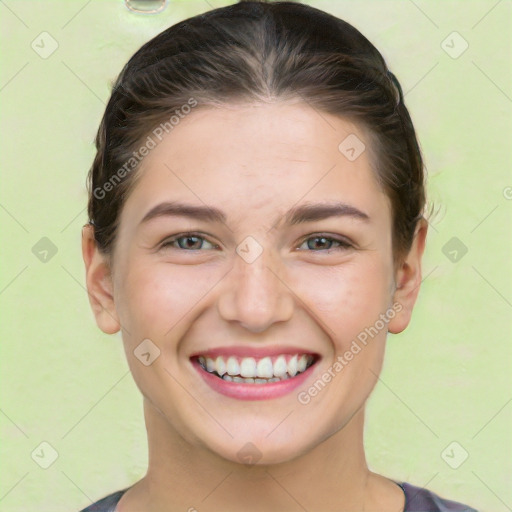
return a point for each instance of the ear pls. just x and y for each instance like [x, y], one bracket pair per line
[408, 280]
[99, 283]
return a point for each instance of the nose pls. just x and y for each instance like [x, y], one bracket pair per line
[256, 294]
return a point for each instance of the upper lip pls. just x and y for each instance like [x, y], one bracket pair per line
[256, 352]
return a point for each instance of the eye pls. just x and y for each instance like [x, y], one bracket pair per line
[320, 242]
[190, 241]
[194, 241]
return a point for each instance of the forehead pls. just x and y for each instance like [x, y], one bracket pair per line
[258, 157]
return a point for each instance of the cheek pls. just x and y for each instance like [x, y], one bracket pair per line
[348, 297]
[156, 297]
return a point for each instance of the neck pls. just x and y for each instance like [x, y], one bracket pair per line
[333, 476]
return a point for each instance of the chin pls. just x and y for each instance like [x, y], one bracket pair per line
[263, 446]
[260, 453]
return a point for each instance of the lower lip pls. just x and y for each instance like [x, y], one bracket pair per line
[247, 391]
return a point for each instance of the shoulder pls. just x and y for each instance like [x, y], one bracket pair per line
[418, 499]
[106, 504]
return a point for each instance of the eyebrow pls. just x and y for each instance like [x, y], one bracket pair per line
[296, 215]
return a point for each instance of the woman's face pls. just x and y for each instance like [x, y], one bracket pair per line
[260, 280]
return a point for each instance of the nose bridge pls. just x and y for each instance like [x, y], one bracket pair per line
[256, 295]
[257, 277]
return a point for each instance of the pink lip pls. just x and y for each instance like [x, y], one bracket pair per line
[256, 352]
[248, 391]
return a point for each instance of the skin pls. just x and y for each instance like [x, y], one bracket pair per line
[255, 162]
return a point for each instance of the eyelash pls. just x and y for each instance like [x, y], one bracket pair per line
[344, 244]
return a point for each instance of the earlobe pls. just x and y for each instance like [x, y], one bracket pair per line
[99, 283]
[408, 280]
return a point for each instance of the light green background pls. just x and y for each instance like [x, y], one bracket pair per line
[447, 377]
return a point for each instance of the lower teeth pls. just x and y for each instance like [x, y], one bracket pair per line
[247, 380]
[256, 380]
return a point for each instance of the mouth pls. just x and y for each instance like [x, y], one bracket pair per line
[251, 370]
[257, 377]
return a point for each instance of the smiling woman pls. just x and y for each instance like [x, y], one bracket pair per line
[255, 257]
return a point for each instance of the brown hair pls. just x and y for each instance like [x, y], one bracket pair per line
[257, 51]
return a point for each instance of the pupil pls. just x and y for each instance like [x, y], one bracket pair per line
[323, 241]
[189, 239]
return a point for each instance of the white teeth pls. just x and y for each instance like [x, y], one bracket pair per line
[220, 366]
[292, 366]
[280, 367]
[210, 364]
[265, 368]
[248, 367]
[232, 366]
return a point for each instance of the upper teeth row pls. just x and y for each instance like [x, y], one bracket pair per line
[250, 367]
